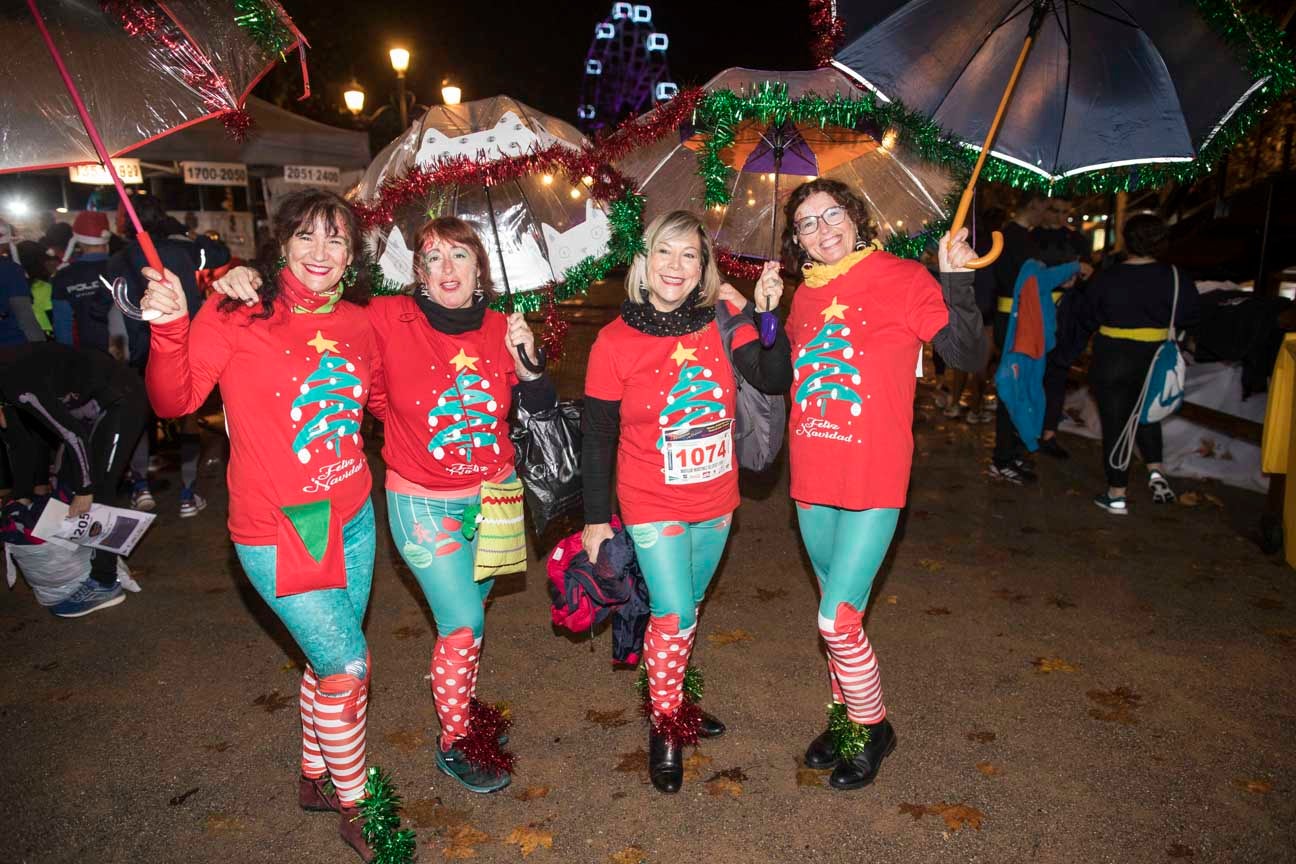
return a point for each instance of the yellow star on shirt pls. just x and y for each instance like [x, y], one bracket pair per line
[683, 354]
[462, 361]
[833, 310]
[320, 344]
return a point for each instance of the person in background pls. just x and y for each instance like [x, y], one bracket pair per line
[84, 312]
[39, 266]
[1130, 306]
[127, 264]
[95, 407]
[18, 322]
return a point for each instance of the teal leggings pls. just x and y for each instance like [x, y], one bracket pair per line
[428, 533]
[678, 560]
[846, 549]
[325, 624]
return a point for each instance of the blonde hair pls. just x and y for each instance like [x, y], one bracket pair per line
[670, 226]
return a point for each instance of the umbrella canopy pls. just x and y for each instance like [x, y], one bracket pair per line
[541, 224]
[1106, 84]
[141, 74]
[771, 158]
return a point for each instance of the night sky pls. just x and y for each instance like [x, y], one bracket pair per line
[534, 52]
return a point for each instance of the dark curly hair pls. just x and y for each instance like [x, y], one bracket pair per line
[793, 255]
[306, 207]
[1147, 235]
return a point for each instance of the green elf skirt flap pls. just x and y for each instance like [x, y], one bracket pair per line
[308, 549]
[501, 541]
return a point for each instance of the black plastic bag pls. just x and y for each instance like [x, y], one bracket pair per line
[547, 447]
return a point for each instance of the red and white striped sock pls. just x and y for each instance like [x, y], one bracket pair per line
[341, 703]
[837, 697]
[856, 668]
[454, 682]
[312, 762]
[666, 656]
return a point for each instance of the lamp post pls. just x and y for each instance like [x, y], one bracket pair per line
[400, 58]
[354, 97]
[450, 94]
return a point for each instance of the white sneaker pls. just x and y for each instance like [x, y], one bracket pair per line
[191, 505]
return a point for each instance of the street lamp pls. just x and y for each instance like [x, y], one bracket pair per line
[354, 97]
[450, 94]
[400, 59]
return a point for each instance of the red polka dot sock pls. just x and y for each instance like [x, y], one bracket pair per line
[454, 681]
[312, 761]
[666, 656]
[856, 667]
[340, 718]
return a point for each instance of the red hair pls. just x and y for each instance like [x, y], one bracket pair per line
[452, 229]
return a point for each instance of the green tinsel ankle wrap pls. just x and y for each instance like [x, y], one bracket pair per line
[849, 738]
[390, 843]
[693, 683]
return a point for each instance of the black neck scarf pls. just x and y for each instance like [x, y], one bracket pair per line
[452, 322]
[687, 318]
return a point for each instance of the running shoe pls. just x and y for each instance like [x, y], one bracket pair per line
[1015, 472]
[976, 418]
[953, 410]
[89, 597]
[1114, 506]
[141, 497]
[475, 779]
[1161, 491]
[191, 503]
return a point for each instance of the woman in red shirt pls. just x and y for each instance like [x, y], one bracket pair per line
[450, 374]
[660, 393]
[295, 372]
[857, 325]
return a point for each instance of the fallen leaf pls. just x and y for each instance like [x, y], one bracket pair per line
[735, 774]
[728, 637]
[931, 565]
[1213, 499]
[694, 764]
[892, 599]
[47, 667]
[1120, 703]
[505, 709]
[957, 816]
[633, 763]
[1270, 603]
[464, 839]
[1060, 602]
[1190, 499]
[607, 719]
[917, 811]
[405, 740]
[531, 793]
[290, 665]
[1045, 665]
[628, 855]
[409, 631]
[981, 737]
[273, 702]
[809, 776]
[1178, 850]
[989, 769]
[218, 747]
[431, 813]
[765, 596]
[182, 797]
[1285, 635]
[1011, 596]
[1256, 787]
[724, 786]
[936, 610]
[529, 838]
[218, 822]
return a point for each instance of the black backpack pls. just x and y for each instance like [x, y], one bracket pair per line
[758, 428]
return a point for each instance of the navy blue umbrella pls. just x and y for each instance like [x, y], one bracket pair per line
[1059, 87]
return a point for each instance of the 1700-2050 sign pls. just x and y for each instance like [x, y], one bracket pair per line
[215, 174]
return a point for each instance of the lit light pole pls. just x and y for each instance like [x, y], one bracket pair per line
[400, 59]
[450, 94]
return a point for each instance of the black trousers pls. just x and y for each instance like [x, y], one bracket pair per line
[1116, 375]
[1008, 444]
[1055, 379]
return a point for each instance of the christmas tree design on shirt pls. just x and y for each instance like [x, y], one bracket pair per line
[694, 399]
[821, 367]
[461, 404]
[334, 391]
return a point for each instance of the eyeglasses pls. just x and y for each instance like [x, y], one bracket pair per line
[810, 224]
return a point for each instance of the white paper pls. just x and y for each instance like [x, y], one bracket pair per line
[112, 529]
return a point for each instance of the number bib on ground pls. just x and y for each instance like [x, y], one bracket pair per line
[696, 454]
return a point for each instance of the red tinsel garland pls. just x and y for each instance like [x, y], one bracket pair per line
[481, 745]
[681, 728]
[555, 328]
[828, 30]
[633, 133]
[736, 266]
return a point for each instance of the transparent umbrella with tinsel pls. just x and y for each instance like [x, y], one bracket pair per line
[770, 154]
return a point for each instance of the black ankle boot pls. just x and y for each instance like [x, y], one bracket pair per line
[859, 771]
[665, 763]
[822, 753]
[711, 727]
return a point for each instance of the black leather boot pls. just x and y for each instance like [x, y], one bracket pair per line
[665, 763]
[822, 753]
[711, 726]
[859, 771]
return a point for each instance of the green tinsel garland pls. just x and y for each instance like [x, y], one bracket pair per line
[693, 683]
[850, 738]
[390, 843]
[380, 285]
[261, 21]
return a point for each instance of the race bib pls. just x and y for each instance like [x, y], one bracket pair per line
[696, 454]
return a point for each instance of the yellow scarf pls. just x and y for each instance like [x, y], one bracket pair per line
[818, 275]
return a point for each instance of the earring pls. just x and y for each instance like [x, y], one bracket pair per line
[860, 244]
[349, 276]
[280, 263]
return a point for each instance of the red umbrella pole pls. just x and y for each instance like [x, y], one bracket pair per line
[146, 242]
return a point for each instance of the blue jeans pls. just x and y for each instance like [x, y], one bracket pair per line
[325, 624]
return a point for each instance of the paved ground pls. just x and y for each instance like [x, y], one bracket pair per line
[1067, 687]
